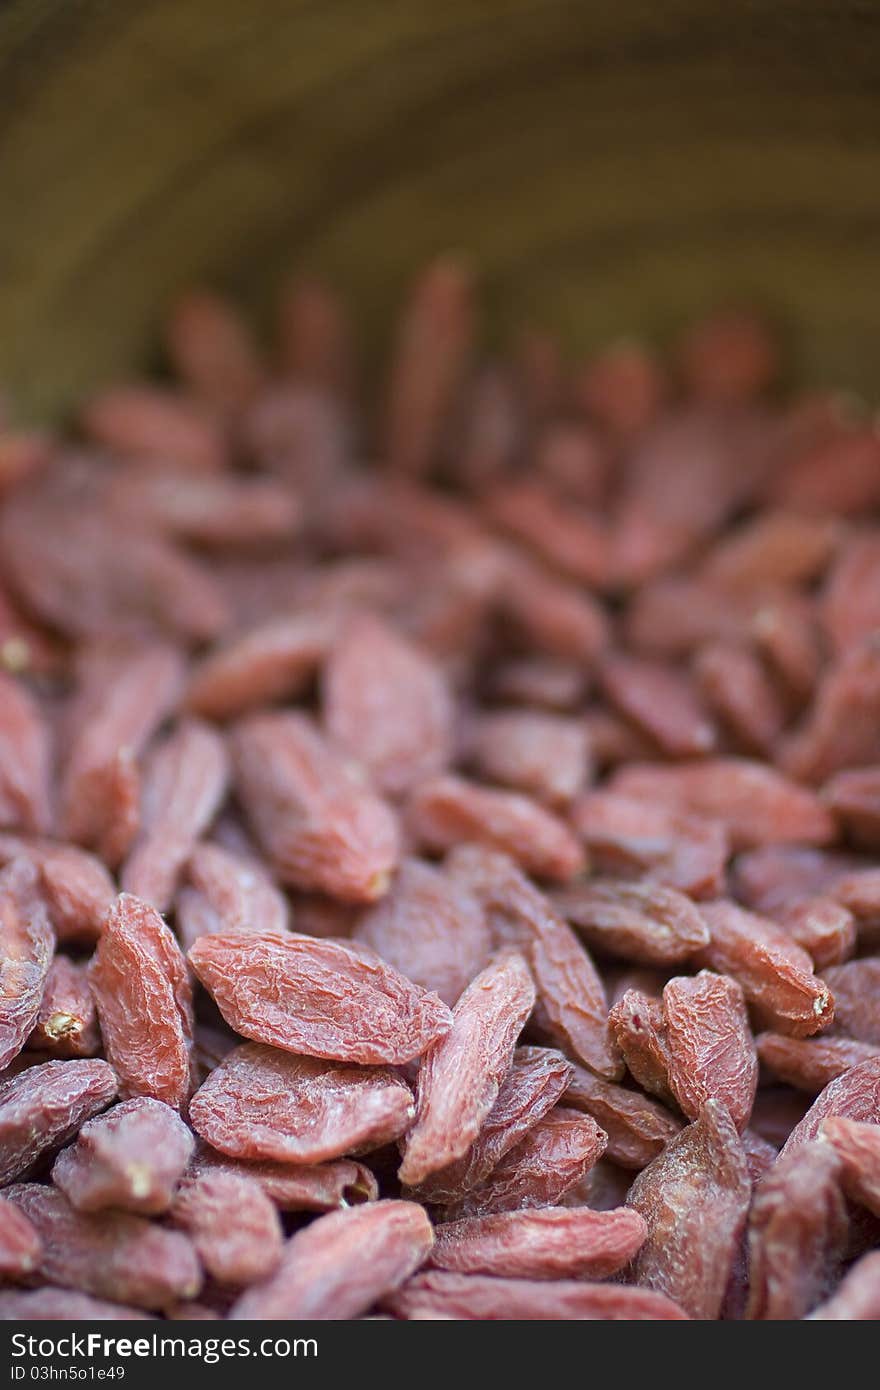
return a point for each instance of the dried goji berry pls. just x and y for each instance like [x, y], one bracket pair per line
[26, 946]
[639, 1032]
[841, 728]
[67, 1023]
[642, 922]
[549, 1243]
[709, 1045]
[542, 754]
[269, 661]
[810, 1063]
[152, 423]
[855, 1095]
[857, 1296]
[636, 1126]
[263, 1103]
[728, 357]
[695, 1198]
[387, 705]
[825, 929]
[232, 1224]
[429, 928]
[756, 803]
[857, 1145]
[112, 1255]
[849, 606]
[318, 998]
[45, 1105]
[131, 1157]
[856, 988]
[854, 797]
[797, 1233]
[185, 781]
[572, 1010]
[636, 835]
[442, 1294]
[566, 537]
[314, 335]
[776, 974]
[51, 1304]
[20, 1245]
[299, 1187]
[774, 547]
[24, 760]
[144, 998]
[343, 1263]
[662, 701]
[122, 702]
[448, 811]
[434, 342]
[318, 823]
[555, 1154]
[229, 892]
[738, 690]
[460, 1076]
[212, 350]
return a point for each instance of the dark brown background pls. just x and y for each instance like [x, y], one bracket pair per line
[611, 166]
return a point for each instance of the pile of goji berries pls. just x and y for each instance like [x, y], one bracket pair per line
[441, 836]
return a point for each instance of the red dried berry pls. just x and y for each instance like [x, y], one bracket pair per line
[776, 975]
[535, 1082]
[553, 1243]
[144, 998]
[318, 998]
[26, 946]
[448, 811]
[857, 1145]
[810, 1063]
[629, 834]
[342, 1264]
[387, 705]
[429, 928]
[639, 1032]
[233, 1226]
[661, 701]
[641, 922]
[460, 1076]
[542, 754]
[20, 1245]
[270, 661]
[185, 782]
[637, 1127]
[122, 702]
[709, 1044]
[695, 1199]
[112, 1255]
[67, 1022]
[572, 1010]
[473, 1297]
[298, 1187]
[857, 1296]
[24, 760]
[130, 1158]
[319, 825]
[855, 1096]
[45, 1105]
[797, 1233]
[553, 1156]
[757, 804]
[263, 1103]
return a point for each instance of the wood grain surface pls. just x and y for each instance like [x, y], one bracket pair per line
[611, 167]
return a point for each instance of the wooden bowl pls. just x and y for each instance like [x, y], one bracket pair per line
[610, 167]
